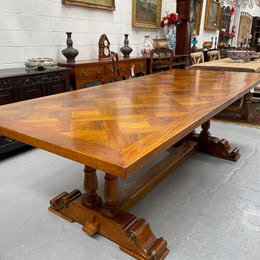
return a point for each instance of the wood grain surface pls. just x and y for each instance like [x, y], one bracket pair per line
[119, 127]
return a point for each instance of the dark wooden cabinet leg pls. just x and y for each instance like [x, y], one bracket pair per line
[91, 198]
[111, 194]
[214, 145]
[245, 107]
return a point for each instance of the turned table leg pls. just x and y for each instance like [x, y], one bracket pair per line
[245, 107]
[91, 199]
[111, 194]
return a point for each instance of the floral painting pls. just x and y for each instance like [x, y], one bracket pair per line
[146, 13]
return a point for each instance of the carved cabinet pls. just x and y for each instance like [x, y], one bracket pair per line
[87, 71]
[18, 84]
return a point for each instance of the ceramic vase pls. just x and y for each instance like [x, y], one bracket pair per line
[126, 49]
[147, 47]
[171, 36]
[226, 42]
[70, 53]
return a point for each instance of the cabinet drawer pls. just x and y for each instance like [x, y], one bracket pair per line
[55, 87]
[5, 140]
[123, 68]
[30, 92]
[90, 72]
[140, 66]
[109, 69]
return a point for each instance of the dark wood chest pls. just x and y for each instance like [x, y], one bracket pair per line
[18, 84]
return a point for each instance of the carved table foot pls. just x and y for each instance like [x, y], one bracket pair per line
[134, 236]
[214, 145]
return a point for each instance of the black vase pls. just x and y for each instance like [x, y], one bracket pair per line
[126, 49]
[70, 53]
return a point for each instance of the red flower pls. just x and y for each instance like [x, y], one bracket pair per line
[170, 19]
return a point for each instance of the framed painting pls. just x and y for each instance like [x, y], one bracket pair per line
[196, 18]
[146, 14]
[101, 4]
[212, 15]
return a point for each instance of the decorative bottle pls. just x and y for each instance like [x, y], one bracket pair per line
[126, 49]
[70, 53]
[147, 47]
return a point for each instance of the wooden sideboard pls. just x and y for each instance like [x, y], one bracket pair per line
[18, 84]
[101, 70]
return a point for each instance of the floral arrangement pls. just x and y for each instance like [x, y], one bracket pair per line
[228, 35]
[170, 19]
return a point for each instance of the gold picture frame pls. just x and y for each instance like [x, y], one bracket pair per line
[100, 4]
[197, 20]
[212, 15]
[146, 15]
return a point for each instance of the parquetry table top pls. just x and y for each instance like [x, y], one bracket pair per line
[119, 127]
[229, 65]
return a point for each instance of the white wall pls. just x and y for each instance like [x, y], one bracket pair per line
[36, 28]
[205, 35]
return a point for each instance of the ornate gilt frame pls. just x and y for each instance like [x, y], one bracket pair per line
[147, 24]
[91, 4]
[197, 22]
[212, 15]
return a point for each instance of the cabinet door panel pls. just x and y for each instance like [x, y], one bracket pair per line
[55, 88]
[8, 92]
[30, 92]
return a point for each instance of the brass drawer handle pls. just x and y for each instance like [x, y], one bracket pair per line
[111, 69]
[122, 68]
[98, 71]
[8, 140]
[141, 65]
[85, 73]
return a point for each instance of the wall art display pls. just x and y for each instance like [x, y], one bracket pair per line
[197, 18]
[101, 4]
[146, 14]
[244, 28]
[212, 15]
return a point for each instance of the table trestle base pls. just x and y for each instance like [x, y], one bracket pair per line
[130, 195]
[215, 146]
[144, 246]
[111, 217]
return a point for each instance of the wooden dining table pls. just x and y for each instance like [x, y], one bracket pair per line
[120, 127]
[227, 64]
